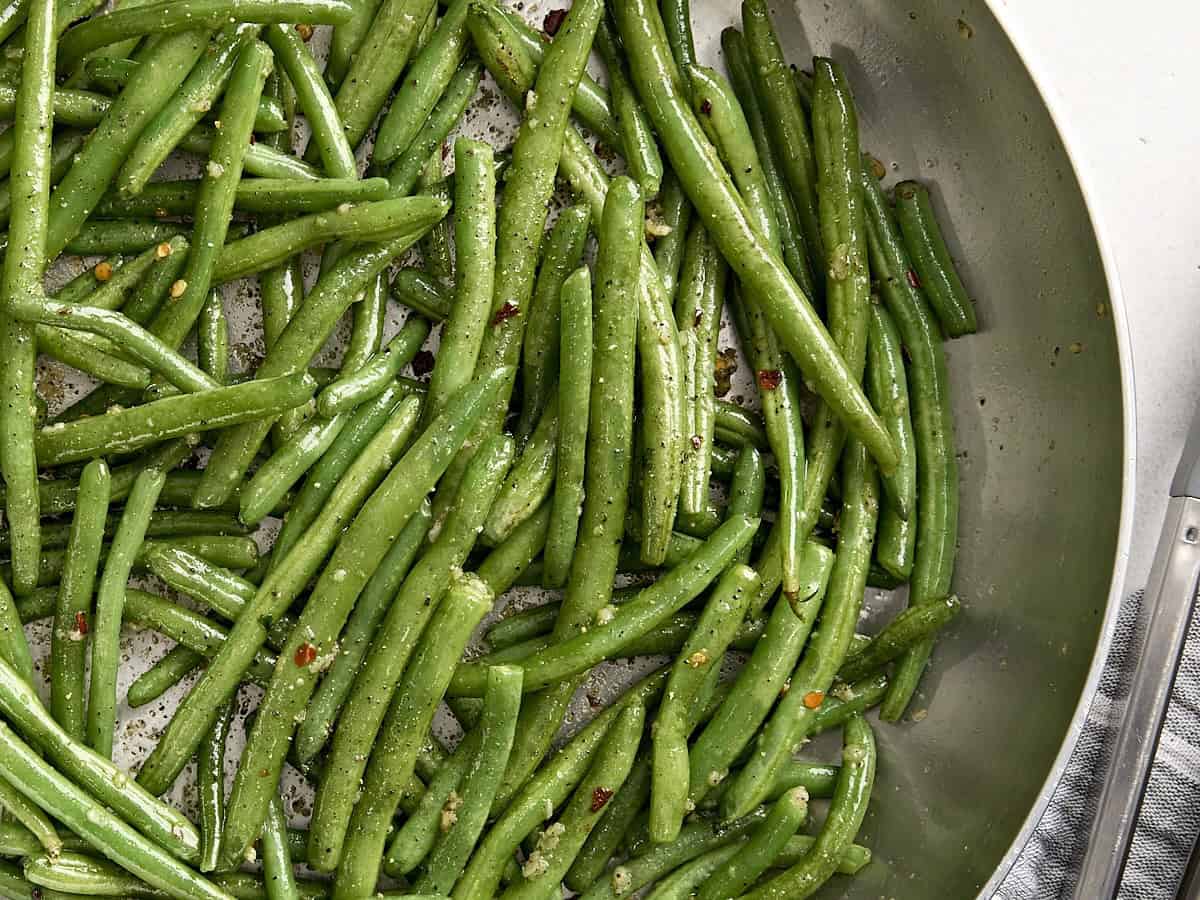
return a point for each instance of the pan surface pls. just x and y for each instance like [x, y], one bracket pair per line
[1043, 412]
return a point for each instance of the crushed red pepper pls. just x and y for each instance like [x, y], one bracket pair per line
[600, 796]
[769, 379]
[305, 654]
[505, 312]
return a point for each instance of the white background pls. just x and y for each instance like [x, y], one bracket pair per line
[1124, 82]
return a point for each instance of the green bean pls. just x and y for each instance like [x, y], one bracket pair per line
[312, 96]
[212, 338]
[608, 464]
[715, 630]
[887, 385]
[62, 151]
[744, 423]
[300, 341]
[145, 300]
[126, 430]
[167, 17]
[757, 685]
[392, 759]
[931, 260]
[619, 815]
[358, 553]
[369, 381]
[81, 108]
[475, 239]
[406, 171]
[392, 647]
[255, 195]
[424, 83]
[562, 840]
[813, 677]
[13, 17]
[777, 96]
[791, 237]
[21, 283]
[368, 319]
[676, 214]
[210, 788]
[846, 813]
[933, 426]
[14, 803]
[163, 523]
[14, 649]
[285, 581]
[110, 602]
[68, 643]
[378, 62]
[369, 611]
[638, 144]
[244, 886]
[698, 303]
[677, 22]
[261, 160]
[286, 466]
[214, 200]
[818, 779]
[175, 665]
[436, 253]
[282, 294]
[763, 272]
[529, 185]
[77, 873]
[164, 65]
[591, 103]
[859, 697]
[87, 354]
[60, 797]
[346, 40]
[502, 701]
[574, 388]
[17, 840]
[540, 353]
[278, 877]
[362, 426]
[631, 621]
[502, 568]
[531, 479]
[746, 490]
[760, 852]
[123, 236]
[516, 627]
[908, 628]
[527, 806]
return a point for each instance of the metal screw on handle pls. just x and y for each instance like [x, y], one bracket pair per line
[1170, 598]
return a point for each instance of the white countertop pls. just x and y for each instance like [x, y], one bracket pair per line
[1123, 81]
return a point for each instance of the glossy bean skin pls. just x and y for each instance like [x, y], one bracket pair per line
[210, 788]
[908, 628]
[638, 144]
[940, 282]
[759, 853]
[355, 388]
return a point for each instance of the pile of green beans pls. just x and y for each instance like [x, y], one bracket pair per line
[570, 429]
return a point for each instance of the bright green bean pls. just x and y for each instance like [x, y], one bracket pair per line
[261, 160]
[312, 96]
[15, 804]
[14, 649]
[676, 213]
[164, 65]
[931, 259]
[747, 489]
[68, 644]
[126, 430]
[424, 83]
[574, 386]
[701, 654]
[255, 195]
[436, 253]
[393, 757]
[175, 665]
[531, 479]
[760, 852]
[79, 874]
[638, 144]
[279, 879]
[933, 426]
[146, 299]
[392, 647]
[110, 602]
[168, 16]
[502, 568]
[369, 611]
[196, 713]
[887, 386]
[346, 40]
[540, 352]
[355, 388]
[212, 338]
[368, 318]
[286, 466]
[406, 171]
[502, 702]
[423, 293]
[908, 628]
[474, 239]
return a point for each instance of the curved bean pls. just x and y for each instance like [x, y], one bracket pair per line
[931, 258]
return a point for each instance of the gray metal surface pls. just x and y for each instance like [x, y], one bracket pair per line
[1038, 408]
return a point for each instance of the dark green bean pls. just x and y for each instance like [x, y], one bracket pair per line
[420, 291]
[392, 647]
[146, 299]
[531, 479]
[908, 628]
[175, 665]
[638, 145]
[168, 16]
[357, 387]
[261, 160]
[933, 426]
[210, 788]
[848, 701]
[931, 259]
[540, 353]
[256, 195]
[278, 876]
[746, 490]
[759, 853]
[436, 253]
[212, 338]
[674, 213]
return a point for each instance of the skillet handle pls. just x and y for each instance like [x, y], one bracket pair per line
[1170, 597]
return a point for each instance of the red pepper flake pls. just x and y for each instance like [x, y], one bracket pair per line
[422, 363]
[769, 379]
[706, 106]
[697, 442]
[505, 312]
[81, 625]
[553, 21]
[913, 280]
[814, 699]
[305, 654]
[600, 796]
